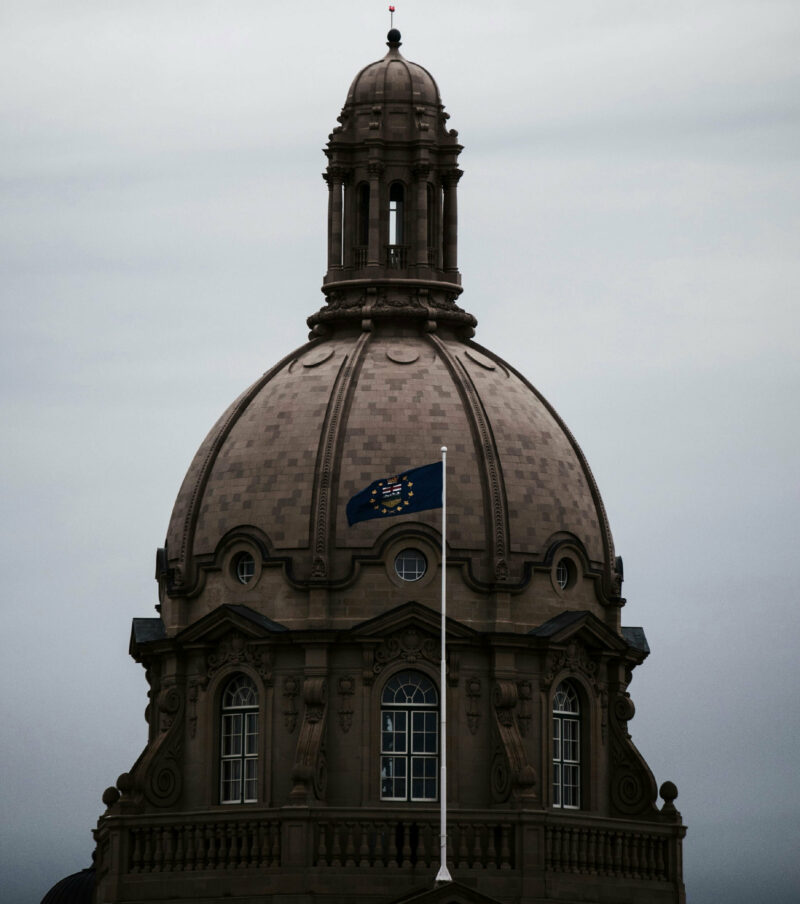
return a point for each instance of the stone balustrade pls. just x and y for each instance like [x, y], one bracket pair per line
[398, 839]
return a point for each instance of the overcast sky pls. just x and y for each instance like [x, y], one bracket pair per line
[629, 240]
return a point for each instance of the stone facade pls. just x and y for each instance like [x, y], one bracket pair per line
[279, 767]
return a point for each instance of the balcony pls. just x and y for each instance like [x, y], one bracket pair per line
[396, 841]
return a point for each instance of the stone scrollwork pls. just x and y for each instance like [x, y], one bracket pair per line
[633, 788]
[291, 687]
[310, 771]
[510, 757]
[157, 777]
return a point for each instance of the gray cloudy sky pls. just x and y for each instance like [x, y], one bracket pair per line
[629, 240]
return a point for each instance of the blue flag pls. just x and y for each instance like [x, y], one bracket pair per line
[400, 494]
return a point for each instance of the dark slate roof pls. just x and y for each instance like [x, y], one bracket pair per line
[261, 620]
[77, 888]
[146, 630]
[558, 623]
[636, 639]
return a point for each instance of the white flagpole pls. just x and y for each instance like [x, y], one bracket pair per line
[443, 875]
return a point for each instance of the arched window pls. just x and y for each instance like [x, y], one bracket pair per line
[409, 738]
[238, 770]
[566, 747]
[396, 199]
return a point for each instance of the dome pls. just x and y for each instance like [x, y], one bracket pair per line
[75, 889]
[394, 79]
[391, 375]
[336, 414]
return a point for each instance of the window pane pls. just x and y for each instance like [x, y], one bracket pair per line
[250, 780]
[232, 735]
[556, 738]
[423, 778]
[393, 778]
[394, 736]
[251, 734]
[231, 781]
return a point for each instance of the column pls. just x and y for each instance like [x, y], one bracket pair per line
[450, 181]
[421, 213]
[334, 177]
[375, 169]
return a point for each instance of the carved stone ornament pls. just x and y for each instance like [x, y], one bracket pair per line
[157, 777]
[235, 650]
[291, 687]
[310, 770]
[410, 645]
[510, 758]
[575, 658]
[473, 688]
[347, 686]
[525, 692]
[633, 788]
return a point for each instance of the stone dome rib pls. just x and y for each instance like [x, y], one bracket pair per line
[195, 483]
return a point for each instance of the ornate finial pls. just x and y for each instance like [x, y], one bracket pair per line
[393, 38]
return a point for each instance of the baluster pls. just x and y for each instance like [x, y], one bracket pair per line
[275, 835]
[178, 859]
[199, 846]
[211, 846]
[136, 855]
[626, 854]
[158, 853]
[263, 840]
[662, 866]
[617, 853]
[477, 853]
[147, 857]
[406, 845]
[505, 847]
[610, 854]
[349, 848]
[188, 863]
[573, 851]
[556, 849]
[233, 846]
[463, 862]
[635, 839]
[337, 846]
[548, 848]
[582, 865]
[379, 858]
[591, 854]
[491, 850]
[394, 849]
[322, 848]
[222, 846]
[652, 870]
[363, 848]
[432, 848]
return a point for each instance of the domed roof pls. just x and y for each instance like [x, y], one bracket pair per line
[338, 413]
[394, 79]
[75, 889]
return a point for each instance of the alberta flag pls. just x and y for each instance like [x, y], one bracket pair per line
[399, 494]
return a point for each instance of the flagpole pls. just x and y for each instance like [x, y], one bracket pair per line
[443, 875]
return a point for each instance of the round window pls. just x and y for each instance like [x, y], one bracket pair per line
[564, 573]
[410, 565]
[244, 567]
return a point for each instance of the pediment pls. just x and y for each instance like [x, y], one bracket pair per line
[445, 893]
[227, 618]
[411, 616]
[581, 626]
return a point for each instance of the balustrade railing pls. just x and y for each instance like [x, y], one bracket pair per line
[360, 256]
[205, 846]
[410, 841]
[396, 256]
[401, 839]
[606, 852]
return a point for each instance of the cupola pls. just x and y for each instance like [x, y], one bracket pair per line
[392, 179]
